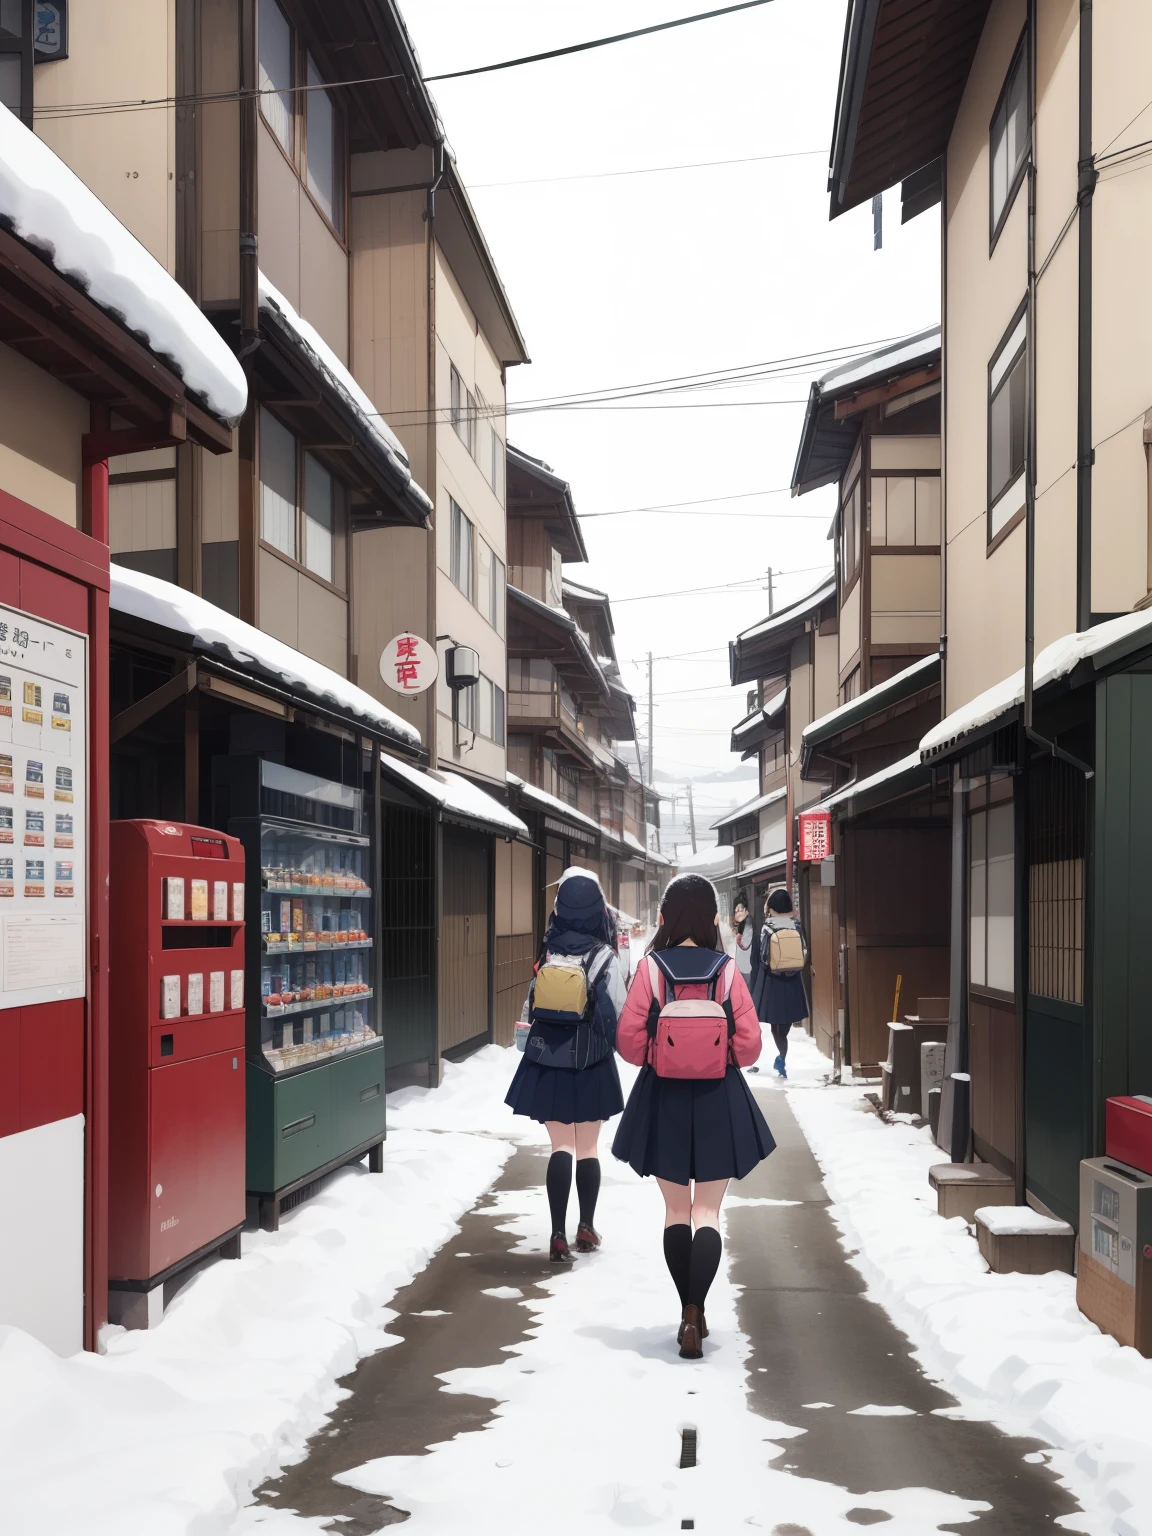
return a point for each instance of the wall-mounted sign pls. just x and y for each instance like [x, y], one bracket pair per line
[409, 664]
[43, 810]
[815, 836]
[50, 24]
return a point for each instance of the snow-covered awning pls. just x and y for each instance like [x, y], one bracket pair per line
[559, 810]
[1103, 646]
[753, 650]
[212, 632]
[750, 808]
[458, 799]
[713, 863]
[765, 863]
[371, 434]
[760, 726]
[47, 206]
[922, 674]
[898, 778]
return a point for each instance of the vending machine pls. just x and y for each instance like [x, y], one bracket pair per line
[177, 997]
[315, 1056]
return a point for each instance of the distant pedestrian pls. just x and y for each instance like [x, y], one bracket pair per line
[567, 1079]
[779, 995]
[746, 934]
[691, 1121]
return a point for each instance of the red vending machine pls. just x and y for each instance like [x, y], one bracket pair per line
[176, 1015]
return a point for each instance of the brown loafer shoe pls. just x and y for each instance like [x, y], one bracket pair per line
[703, 1329]
[690, 1348]
[559, 1251]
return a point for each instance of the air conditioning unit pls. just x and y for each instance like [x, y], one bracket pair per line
[463, 667]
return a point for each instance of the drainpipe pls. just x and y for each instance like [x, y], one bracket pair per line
[431, 571]
[1086, 177]
[1030, 369]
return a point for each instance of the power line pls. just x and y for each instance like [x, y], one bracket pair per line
[750, 584]
[597, 42]
[645, 170]
[801, 517]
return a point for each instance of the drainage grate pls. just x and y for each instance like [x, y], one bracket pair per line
[687, 1448]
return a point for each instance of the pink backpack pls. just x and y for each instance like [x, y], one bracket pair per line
[690, 1037]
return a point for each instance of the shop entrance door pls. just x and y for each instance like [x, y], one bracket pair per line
[465, 939]
[408, 934]
[822, 957]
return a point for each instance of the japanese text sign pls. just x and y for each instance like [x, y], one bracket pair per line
[409, 664]
[815, 836]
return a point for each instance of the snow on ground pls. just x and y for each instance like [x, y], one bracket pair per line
[1013, 1349]
[168, 1433]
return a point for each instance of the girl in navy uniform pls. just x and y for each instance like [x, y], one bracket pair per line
[567, 1078]
[692, 1134]
[779, 995]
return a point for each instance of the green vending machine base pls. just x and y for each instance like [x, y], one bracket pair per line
[307, 1125]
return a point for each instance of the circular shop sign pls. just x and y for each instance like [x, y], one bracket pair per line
[409, 664]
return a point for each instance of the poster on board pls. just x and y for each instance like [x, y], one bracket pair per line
[43, 810]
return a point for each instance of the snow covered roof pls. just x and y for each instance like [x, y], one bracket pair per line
[827, 443]
[910, 768]
[457, 796]
[49, 207]
[764, 862]
[338, 378]
[214, 632]
[1101, 644]
[760, 724]
[746, 652]
[900, 686]
[750, 808]
[708, 862]
[551, 803]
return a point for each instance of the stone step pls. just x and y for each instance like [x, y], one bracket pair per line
[962, 1188]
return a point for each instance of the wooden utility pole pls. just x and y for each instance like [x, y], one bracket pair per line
[651, 712]
[771, 594]
[691, 817]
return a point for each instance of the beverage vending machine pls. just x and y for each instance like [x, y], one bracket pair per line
[177, 999]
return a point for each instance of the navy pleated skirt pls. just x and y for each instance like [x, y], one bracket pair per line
[681, 1129]
[572, 1098]
[782, 999]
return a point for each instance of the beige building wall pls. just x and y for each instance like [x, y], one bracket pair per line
[827, 683]
[302, 613]
[127, 158]
[299, 254]
[218, 154]
[41, 424]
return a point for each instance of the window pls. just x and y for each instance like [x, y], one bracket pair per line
[325, 152]
[490, 710]
[276, 54]
[491, 583]
[850, 687]
[461, 404]
[906, 510]
[461, 557]
[308, 528]
[1007, 428]
[464, 700]
[319, 519]
[1008, 136]
[277, 486]
[16, 56]
[850, 537]
[555, 593]
[991, 898]
[498, 466]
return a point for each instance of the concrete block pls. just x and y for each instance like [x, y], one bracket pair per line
[962, 1188]
[1015, 1239]
[136, 1309]
[931, 1070]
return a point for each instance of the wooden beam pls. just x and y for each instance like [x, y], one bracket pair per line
[152, 703]
[853, 405]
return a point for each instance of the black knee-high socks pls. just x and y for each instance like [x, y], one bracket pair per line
[692, 1261]
[558, 1183]
[587, 1187]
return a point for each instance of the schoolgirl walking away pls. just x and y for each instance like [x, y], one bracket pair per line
[567, 1078]
[779, 992]
[691, 1122]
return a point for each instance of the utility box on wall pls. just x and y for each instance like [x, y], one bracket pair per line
[1114, 1278]
[177, 1057]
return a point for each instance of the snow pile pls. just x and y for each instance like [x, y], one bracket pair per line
[50, 208]
[167, 1433]
[341, 381]
[1013, 1349]
[160, 602]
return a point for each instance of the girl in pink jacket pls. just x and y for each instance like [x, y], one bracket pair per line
[692, 1134]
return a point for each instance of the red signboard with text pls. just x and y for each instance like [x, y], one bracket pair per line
[815, 836]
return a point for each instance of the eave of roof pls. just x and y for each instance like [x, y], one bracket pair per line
[900, 778]
[921, 675]
[750, 808]
[564, 626]
[562, 505]
[903, 69]
[828, 443]
[749, 652]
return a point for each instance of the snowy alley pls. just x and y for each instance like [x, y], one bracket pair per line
[494, 1394]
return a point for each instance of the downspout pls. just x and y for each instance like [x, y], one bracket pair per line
[433, 534]
[1086, 177]
[1030, 387]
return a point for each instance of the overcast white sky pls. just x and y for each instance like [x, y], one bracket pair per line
[624, 279]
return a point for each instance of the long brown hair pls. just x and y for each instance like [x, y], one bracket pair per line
[689, 912]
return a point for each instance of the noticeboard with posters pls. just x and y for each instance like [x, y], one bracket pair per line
[43, 810]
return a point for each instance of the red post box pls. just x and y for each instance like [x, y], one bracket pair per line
[1128, 1131]
[176, 1012]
